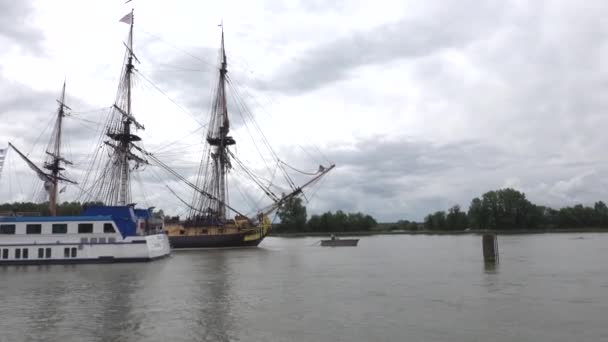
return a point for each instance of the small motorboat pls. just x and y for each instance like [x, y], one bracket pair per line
[335, 242]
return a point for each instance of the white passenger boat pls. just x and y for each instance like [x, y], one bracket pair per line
[100, 235]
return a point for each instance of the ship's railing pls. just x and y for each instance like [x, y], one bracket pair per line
[20, 213]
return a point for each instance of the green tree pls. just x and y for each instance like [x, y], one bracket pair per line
[477, 215]
[600, 212]
[292, 214]
[503, 209]
[456, 219]
[435, 221]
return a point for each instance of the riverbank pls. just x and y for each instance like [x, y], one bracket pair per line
[444, 232]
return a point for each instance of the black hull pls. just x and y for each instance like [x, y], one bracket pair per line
[213, 241]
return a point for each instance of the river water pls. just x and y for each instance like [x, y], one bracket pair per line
[547, 287]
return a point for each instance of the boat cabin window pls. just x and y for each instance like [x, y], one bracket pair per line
[102, 240]
[108, 228]
[93, 240]
[47, 253]
[5, 253]
[111, 240]
[60, 228]
[17, 253]
[33, 229]
[25, 253]
[7, 229]
[84, 228]
[66, 252]
[74, 251]
[40, 253]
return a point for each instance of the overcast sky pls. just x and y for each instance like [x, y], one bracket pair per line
[421, 104]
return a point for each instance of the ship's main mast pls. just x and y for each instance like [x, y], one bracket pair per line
[218, 138]
[126, 138]
[115, 188]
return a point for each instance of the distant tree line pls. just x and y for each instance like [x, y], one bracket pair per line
[293, 217]
[508, 209]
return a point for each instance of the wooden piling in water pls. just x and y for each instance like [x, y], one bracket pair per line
[490, 248]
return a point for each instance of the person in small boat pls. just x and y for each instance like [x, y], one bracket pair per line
[333, 237]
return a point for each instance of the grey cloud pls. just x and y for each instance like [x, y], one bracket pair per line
[26, 112]
[323, 5]
[15, 25]
[191, 79]
[408, 179]
[394, 179]
[187, 78]
[450, 25]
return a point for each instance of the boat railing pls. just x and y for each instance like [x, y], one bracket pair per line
[28, 213]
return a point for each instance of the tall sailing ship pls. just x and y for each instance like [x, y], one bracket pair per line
[113, 232]
[208, 223]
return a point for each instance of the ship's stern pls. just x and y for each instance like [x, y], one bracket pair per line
[158, 246]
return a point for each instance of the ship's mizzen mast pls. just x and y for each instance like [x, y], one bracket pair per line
[54, 155]
[113, 185]
[54, 160]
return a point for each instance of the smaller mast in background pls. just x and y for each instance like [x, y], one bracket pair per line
[54, 159]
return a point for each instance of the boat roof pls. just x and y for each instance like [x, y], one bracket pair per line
[125, 217]
[143, 213]
[54, 218]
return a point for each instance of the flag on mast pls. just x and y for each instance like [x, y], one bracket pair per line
[2, 157]
[127, 19]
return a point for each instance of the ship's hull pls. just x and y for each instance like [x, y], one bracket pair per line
[237, 233]
[216, 241]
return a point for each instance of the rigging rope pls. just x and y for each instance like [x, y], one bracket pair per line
[302, 172]
[170, 99]
[264, 139]
[179, 49]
